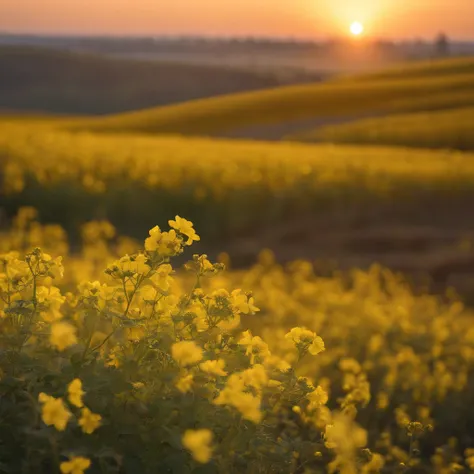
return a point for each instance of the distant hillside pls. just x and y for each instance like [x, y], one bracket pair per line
[424, 87]
[36, 79]
[452, 128]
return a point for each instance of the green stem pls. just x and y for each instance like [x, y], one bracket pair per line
[103, 342]
[89, 340]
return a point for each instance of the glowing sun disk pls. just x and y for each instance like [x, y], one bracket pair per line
[357, 28]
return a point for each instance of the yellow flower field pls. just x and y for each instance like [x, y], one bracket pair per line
[222, 186]
[114, 360]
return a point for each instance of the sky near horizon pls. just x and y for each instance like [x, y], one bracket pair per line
[393, 19]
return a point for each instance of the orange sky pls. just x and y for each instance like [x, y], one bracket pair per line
[297, 18]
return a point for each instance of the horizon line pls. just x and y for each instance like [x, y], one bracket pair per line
[235, 37]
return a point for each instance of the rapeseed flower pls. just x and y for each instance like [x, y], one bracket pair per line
[185, 227]
[198, 442]
[54, 411]
[306, 340]
[246, 403]
[75, 465]
[186, 353]
[469, 454]
[185, 383]
[89, 421]
[243, 303]
[76, 393]
[63, 335]
[317, 398]
[166, 244]
[255, 346]
[213, 367]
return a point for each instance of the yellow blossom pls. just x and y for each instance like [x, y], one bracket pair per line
[255, 377]
[243, 303]
[185, 383]
[255, 346]
[213, 367]
[344, 435]
[151, 243]
[383, 400]
[76, 393]
[186, 353]
[276, 363]
[63, 335]
[306, 340]
[228, 325]
[317, 398]
[137, 264]
[185, 227]
[247, 404]
[51, 300]
[374, 465]
[350, 365]
[112, 359]
[54, 411]
[198, 442]
[101, 292]
[89, 421]
[56, 268]
[165, 244]
[161, 278]
[205, 265]
[75, 465]
[469, 453]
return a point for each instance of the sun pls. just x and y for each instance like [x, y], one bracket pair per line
[357, 28]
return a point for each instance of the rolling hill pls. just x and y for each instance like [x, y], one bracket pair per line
[35, 79]
[449, 85]
[452, 128]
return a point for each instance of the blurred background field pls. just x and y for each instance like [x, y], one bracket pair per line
[351, 205]
[392, 146]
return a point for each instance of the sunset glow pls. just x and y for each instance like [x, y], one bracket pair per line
[300, 18]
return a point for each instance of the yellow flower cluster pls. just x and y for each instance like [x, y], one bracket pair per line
[54, 411]
[243, 391]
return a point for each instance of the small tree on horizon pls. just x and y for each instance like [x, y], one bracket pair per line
[442, 44]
